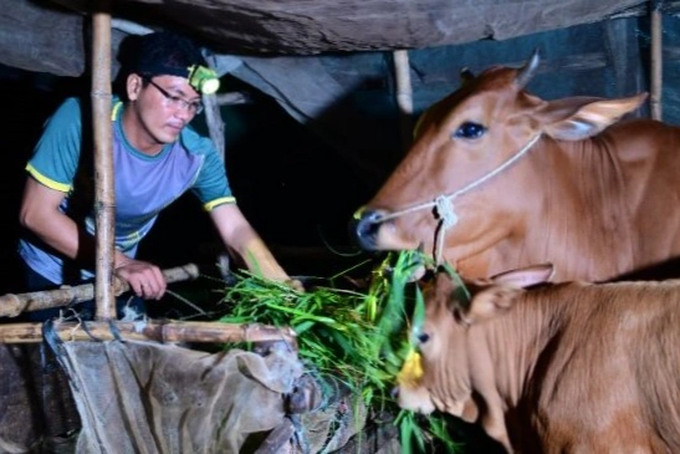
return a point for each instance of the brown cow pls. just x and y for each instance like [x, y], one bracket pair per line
[504, 179]
[561, 368]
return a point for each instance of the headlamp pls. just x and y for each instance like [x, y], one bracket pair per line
[204, 80]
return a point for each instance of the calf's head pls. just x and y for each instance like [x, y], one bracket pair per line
[441, 372]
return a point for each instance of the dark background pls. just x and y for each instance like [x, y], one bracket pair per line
[298, 191]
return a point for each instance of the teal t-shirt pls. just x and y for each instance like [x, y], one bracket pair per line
[144, 185]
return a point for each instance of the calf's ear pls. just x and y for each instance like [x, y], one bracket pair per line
[490, 302]
[498, 298]
[525, 277]
[578, 118]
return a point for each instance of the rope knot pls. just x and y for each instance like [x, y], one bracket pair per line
[445, 211]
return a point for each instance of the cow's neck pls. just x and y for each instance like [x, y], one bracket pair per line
[573, 210]
[591, 213]
[580, 217]
[517, 341]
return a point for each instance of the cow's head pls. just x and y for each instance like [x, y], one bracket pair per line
[445, 367]
[469, 168]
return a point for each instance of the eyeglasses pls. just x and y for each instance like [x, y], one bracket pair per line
[194, 107]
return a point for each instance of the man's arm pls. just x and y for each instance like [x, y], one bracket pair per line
[40, 214]
[239, 236]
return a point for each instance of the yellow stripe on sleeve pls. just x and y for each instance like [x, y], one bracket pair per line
[61, 187]
[116, 108]
[221, 201]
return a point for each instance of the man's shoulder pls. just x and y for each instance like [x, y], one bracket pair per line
[75, 106]
[195, 142]
[71, 106]
[66, 119]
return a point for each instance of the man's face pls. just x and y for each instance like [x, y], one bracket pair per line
[164, 105]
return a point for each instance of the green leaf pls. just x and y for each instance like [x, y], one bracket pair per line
[418, 316]
[304, 326]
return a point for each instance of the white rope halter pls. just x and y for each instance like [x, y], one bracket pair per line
[446, 210]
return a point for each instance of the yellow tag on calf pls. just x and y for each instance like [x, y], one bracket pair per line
[412, 370]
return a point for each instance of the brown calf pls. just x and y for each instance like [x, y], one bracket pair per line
[563, 368]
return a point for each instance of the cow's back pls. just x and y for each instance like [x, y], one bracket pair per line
[610, 379]
[649, 160]
[648, 155]
[607, 207]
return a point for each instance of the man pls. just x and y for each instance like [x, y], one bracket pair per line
[157, 157]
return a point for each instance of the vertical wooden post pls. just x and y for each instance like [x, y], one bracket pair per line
[213, 118]
[656, 61]
[103, 159]
[404, 96]
[216, 126]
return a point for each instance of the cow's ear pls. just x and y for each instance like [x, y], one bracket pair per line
[491, 302]
[582, 117]
[466, 76]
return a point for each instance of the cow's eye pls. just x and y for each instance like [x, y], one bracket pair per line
[423, 337]
[470, 130]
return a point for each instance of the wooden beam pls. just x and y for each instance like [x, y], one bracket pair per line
[150, 330]
[671, 8]
[234, 98]
[11, 305]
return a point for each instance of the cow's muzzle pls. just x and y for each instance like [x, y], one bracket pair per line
[364, 228]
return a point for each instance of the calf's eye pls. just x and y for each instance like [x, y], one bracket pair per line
[423, 337]
[470, 130]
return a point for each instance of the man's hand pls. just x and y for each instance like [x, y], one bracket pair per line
[243, 241]
[144, 278]
[296, 285]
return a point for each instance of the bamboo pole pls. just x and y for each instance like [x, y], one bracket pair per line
[213, 118]
[103, 158]
[11, 305]
[150, 330]
[404, 96]
[656, 61]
